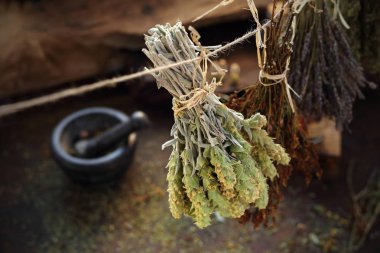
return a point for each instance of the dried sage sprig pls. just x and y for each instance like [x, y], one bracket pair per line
[212, 167]
[323, 69]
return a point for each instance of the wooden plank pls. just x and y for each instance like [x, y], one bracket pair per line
[47, 43]
[328, 138]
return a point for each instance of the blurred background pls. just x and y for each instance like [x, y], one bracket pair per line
[49, 45]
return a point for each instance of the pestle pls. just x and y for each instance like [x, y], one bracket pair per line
[108, 139]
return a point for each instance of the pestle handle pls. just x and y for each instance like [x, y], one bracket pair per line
[91, 147]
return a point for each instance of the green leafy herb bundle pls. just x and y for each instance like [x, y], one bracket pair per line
[270, 96]
[220, 161]
[323, 69]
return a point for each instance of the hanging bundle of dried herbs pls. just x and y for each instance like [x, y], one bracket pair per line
[211, 167]
[271, 97]
[323, 69]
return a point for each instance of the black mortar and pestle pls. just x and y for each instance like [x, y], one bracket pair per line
[96, 146]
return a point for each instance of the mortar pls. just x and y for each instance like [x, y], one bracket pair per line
[106, 167]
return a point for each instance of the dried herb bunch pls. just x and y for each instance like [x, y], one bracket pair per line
[211, 167]
[270, 97]
[323, 69]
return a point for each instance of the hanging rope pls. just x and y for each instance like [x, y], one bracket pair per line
[19, 106]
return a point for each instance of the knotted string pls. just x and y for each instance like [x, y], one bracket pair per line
[198, 95]
[262, 54]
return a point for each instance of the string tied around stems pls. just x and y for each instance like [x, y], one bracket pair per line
[198, 95]
[261, 39]
[195, 97]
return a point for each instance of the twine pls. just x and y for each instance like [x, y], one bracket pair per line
[260, 43]
[198, 95]
[261, 50]
[337, 12]
[26, 104]
[222, 3]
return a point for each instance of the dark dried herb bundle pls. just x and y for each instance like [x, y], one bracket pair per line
[271, 98]
[323, 69]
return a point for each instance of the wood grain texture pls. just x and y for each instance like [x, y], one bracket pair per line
[48, 43]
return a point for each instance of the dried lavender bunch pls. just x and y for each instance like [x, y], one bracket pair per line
[323, 69]
[211, 168]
